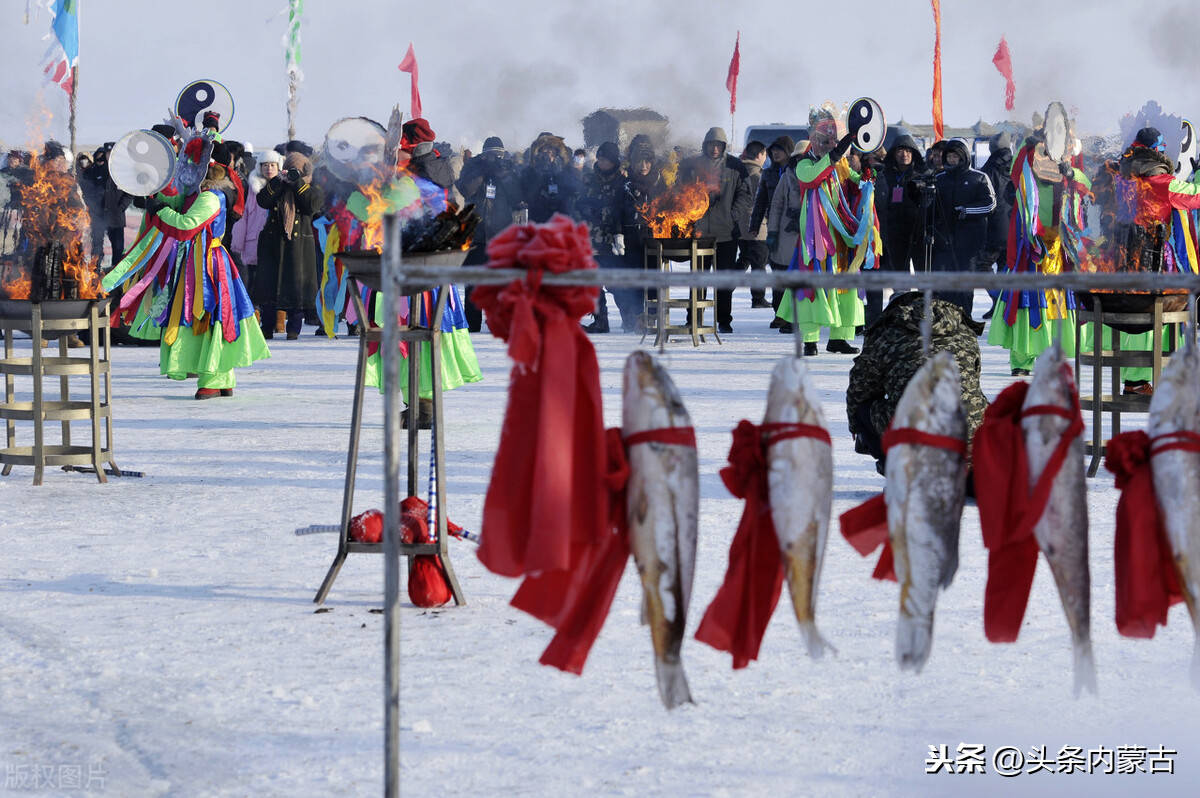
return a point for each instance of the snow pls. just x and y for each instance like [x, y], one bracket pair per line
[160, 633]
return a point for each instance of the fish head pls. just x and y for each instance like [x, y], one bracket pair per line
[1053, 380]
[932, 401]
[1175, 404]
[651, 400]
[792, 398]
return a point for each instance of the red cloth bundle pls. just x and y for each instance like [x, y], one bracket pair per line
[1146, 582]
[546, 504]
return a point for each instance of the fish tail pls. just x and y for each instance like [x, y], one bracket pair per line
[1085, 668]
[672, 684]
[914, 640]
[813, 642]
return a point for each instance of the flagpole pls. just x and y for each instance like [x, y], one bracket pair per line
[71, 121]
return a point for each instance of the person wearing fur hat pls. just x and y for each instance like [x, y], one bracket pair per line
[180, 284]
[729, 207]
[549, 184]
[286, 279]
[247, 230]
[848, 242]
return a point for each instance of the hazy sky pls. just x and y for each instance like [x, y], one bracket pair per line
[514, 67]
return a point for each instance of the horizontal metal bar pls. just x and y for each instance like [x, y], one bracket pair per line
[872, 280]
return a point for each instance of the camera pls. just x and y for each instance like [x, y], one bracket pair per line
[292, 175]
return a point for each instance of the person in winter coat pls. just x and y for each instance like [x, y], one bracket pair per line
[752, 247]
[490, 182]
[549, 184]
[429, 164]
[644, 185]
[998, 169]
[964, 200]
[902, 218]
[783, 226]
[773, 171]
[287, 250]
[247, 230]
[106, 204]
[729, 203]
[892, 353]
[600, 205]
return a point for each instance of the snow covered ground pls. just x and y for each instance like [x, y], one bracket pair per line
[158, 637]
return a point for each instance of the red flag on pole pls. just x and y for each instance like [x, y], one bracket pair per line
[735, 65]
[409, 65]
[938, 127]
[1003, 61]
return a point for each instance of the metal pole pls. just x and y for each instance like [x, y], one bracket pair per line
[1191, 326]
[390, 297]
[927, 324]
[71, 121]
[796, 331]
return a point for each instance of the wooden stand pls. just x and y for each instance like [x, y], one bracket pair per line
[45, 321]
[365, 272]
[659, 255]
[1114, 360]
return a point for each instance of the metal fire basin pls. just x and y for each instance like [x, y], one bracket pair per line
[367, 266]
[44, 321]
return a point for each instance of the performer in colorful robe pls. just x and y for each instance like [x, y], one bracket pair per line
[414, 198]
[1045, 235]
[1147, 223]
[838, 232]
[179, 283]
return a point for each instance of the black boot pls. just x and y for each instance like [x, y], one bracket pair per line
[810, 348]
[598, 325]
[841, 348]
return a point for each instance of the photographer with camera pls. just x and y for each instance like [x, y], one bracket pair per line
[286, 279]
[963, 199]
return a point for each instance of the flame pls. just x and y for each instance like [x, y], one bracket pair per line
[674, 213]
[377, 206]
[52, 211]
[408, 196]
[16, 286]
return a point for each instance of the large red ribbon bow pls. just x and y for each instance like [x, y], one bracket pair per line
[1146, 581]
[865, 527]
[1008, 508]
[737, 617]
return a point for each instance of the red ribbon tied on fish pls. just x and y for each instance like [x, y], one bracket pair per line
[546, 499]
[737, 617]
[865, 527]
[576, 602]
[1146, 581]
[1008, 508]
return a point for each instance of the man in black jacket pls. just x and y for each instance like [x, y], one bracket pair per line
[963, 202]
[729, 201]
[489, 182]
[999, 171]
[777, 163]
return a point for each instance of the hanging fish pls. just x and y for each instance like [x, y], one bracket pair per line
[800, 480]
[926, 486]
[1174, 431]
[1049, 415]
[663, 508]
